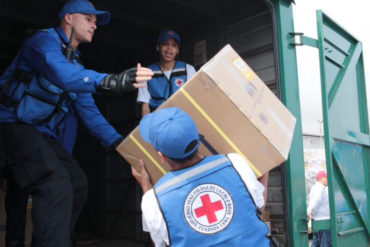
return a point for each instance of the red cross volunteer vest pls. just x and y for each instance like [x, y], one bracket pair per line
[209, 205]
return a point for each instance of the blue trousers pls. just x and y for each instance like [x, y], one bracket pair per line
[321, 238]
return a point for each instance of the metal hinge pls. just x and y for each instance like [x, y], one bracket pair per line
[300, 39]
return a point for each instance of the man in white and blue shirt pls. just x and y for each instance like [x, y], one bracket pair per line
[169, 73]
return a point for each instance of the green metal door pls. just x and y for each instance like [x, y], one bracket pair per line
[346, 129]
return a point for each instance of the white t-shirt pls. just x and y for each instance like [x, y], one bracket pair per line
[318, 204]
[153, 221]
[143, 93]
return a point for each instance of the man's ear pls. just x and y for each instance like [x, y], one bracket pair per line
[68, 19]
[157, 48]
[163, 158]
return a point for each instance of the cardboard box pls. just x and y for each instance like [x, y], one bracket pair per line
[234, 112]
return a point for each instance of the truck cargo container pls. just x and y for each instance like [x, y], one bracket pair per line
[262, 32]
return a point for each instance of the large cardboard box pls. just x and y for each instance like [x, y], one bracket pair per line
[234, 112]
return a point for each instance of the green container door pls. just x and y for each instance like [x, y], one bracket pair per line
[347, 137]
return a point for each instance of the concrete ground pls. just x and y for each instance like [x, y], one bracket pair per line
[95, 243]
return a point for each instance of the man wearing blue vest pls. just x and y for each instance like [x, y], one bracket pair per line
[42, 85]
[202, 201]
[169, 74]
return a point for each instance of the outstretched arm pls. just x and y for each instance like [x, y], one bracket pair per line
[124, 82]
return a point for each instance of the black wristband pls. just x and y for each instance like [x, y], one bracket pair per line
[116, 142]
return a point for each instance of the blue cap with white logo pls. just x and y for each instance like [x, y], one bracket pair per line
[168, 34]
[84, 7]
[170, 131]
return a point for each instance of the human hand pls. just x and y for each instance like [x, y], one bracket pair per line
[124, 82]
[142, 74]
[142, 177]
[118, 84]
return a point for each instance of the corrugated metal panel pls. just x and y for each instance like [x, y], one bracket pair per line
[253, 39]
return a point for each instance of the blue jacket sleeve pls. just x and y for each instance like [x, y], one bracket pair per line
[44, 53]
[95, 123]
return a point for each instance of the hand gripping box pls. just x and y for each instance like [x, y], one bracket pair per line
[234, 112]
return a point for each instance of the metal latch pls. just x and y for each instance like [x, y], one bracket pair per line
[300, 39]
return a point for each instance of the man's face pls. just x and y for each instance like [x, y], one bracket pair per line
[324, 181]
[168, 50]
[84, 26]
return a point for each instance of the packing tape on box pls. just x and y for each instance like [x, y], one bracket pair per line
[284, 128]
[150, 157]
[218, 129]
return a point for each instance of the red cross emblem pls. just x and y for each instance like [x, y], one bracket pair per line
[179, 82]
[211, 201]
[209, 208]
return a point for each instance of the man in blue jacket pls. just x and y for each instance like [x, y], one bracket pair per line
[202, 201]
[42, 85]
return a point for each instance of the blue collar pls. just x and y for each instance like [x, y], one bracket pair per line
[62, 35]
[64, 38]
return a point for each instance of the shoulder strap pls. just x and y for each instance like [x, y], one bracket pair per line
[179, 69]
[156, 70]
[221, 161]
[55, 35]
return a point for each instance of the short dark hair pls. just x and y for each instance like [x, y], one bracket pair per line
[183, 160]
[190, 146]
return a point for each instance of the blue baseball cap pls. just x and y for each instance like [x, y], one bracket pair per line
[169, 34]
[170, 131]
[84, 7]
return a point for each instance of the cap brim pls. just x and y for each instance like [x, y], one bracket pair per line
[103, 17]
[144, 127]
[160, 41]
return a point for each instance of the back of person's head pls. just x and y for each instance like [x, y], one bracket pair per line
[320, 175]
[84, 7]
[170, 131]
[168, 34]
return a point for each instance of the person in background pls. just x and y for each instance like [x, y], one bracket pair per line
[202, 201]
[318, 209]
[42, 85]
[169, 74]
